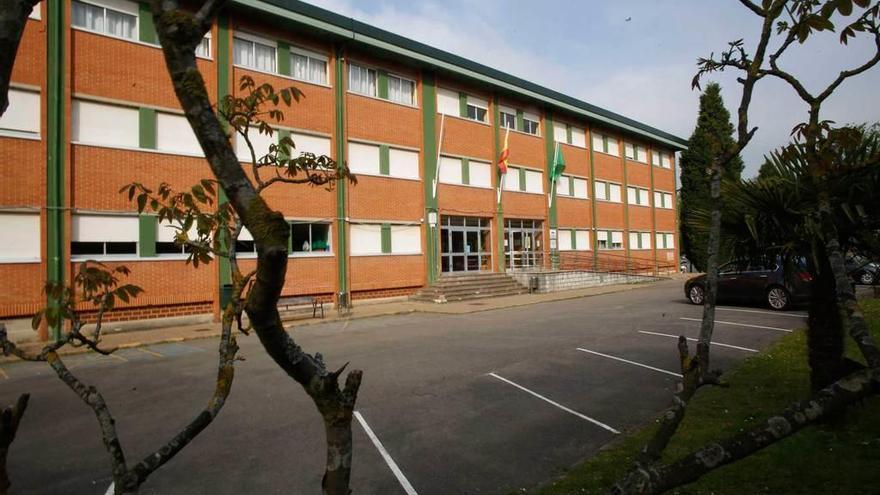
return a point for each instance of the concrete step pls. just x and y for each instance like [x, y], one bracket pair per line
[467, 287]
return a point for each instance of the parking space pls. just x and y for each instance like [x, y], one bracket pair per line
[483, 403]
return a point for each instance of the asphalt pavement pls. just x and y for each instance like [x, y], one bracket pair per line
[481, 403]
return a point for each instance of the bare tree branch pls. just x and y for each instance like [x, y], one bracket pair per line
[753, 7]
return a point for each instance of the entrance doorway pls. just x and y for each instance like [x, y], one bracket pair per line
[465, 244]
[523, 243]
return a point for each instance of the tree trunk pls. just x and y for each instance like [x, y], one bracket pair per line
[10, 418]
[13, 18]
[824, 329]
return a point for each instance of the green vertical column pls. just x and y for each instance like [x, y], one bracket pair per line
[520, 121]
[386, 238]
[465, 171]
[384, 159]
[592, 191]
[624, 196]
[146, 28]
[462, 105]
[550, 148]
[147, 128]
[341, 187]
[55, 76]
[147, 227]
[382, 85]
[499, 210]
[283, 58]
[653, 208]
[429, 158]
[224, 62]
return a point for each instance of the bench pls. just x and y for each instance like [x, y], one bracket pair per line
[289, 302]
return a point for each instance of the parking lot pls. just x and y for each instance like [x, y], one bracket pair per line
[488, 402]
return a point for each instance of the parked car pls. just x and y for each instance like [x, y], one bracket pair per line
[755, 282]
[862, 270]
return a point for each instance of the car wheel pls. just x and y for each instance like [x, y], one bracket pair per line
[866, 278]
[778, 298]
[697, 294]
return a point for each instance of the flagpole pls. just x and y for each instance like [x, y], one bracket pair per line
[553, 177]
[439, 148]
[503, 174]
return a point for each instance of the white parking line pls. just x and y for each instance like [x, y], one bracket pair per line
[630, 362]
[760, 312]
[560, 406]
[787, 330]
[696, 340]
[407, 487]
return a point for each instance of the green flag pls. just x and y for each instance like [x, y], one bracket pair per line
[558, 163]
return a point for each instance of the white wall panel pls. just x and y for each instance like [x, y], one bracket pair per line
[363, 158]
[100, 123]
[406, 239]
[480, 174]
[403, 163]
[105, 228]
[366, 239]
[173, 133]
[21, 237]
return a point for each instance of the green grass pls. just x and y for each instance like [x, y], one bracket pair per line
[840, 457]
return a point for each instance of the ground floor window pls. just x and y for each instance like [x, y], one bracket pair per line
[465, 244]
[523, 243]
[310, 237]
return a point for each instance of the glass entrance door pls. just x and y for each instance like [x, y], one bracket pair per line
[523, 246]
[465, 244]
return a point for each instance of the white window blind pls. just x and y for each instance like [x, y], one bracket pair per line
[362, 80]
[105, 228]
[629, 151]
[366, 239]
[580, 188]
[641, 154]
[480, 174]
[401, 90]
[112, 17]
[21, 237]
[252, 52]
[306, 143]
[582, 240]
[450, 170]
[259, 141]
[173, 133]
[614, 193]
[564, 239]
[363, 158]
[534, 181]
[447, 102]
[511, 179]
[613, 146]
[406, 239]
[23, 113]
[616, 239]
[598, 142]
[646, 240]
[560, 134]
[308, 66]
[563, 187]
[578, 137]
[601, 190]
[666, 160]
[100, 123]
[403, 163]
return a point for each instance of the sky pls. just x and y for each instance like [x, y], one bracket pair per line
[632, 57]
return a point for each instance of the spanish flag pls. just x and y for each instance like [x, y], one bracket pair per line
[505, 154]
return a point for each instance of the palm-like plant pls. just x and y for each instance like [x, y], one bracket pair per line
[776, 216]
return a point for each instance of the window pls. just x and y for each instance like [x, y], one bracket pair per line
[578, 137]
[173, 133]
[534, 181]
[637, 196]
[476, 109]
[166, 233]
[563, 186]
[245, 246]
[512, 180]
[308, 66]
[406, 239]
[22, 117]
[307, 143]
[661, 159]
[120, 21]
[373, 239]
[104, 124]
[610, 239]
[665, 240]
[530, 123]
[605, 144]
[640, 240]
[448, 102]
[560, 132]
[35, 12]
[450, 170]
[104, 235]
[204, 47]
[401, 90]
[662, 200]
[366, 239]
[607, 191]
[254, 53]
[259, 141]
[480, 174]
[579, 188]
[21, 237]
[636, 152]
[309, 238]
[507, 118]
[363, 158]
[574, 240]
[403, 163]
[361, 80]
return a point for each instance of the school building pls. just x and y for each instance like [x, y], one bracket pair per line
[93, 109]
